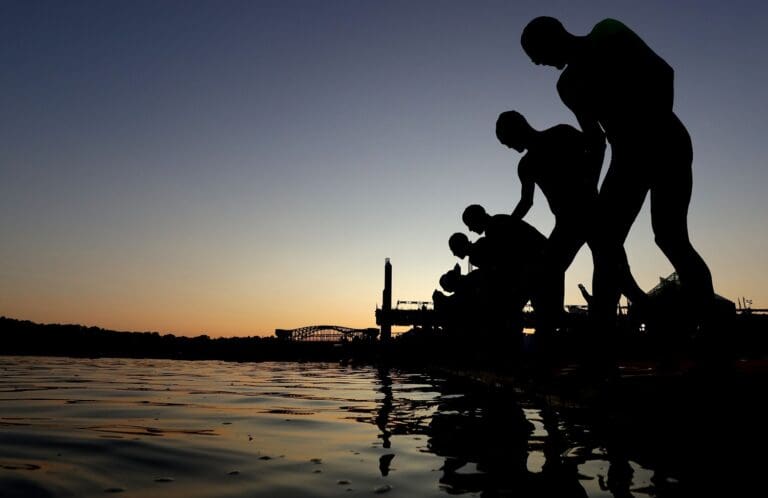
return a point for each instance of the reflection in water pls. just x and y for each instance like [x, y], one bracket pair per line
[382, 417]
[489, 441]
[485, 442]
[199, 429]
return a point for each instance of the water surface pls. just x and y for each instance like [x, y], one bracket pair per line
[94, 427]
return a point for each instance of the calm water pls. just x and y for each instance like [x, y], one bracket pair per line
[90, 427]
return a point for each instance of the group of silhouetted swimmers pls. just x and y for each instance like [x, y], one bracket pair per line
[620, 92]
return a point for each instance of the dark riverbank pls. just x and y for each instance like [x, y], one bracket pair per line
[744, 338]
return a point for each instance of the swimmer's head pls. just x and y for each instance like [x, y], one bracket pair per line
[450, 281]
[546, 41]
[459, 244]
[513, 130]
[475, 218]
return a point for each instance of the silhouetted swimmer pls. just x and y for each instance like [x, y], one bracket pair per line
[503, 228]
[459, 244]
[556, 160]
[459, 310]
[617, 86]
[466, 289]
[507, 252]
[453, 282]
[477, 252]
[450, 280]
[470, 306]
[510, 245]
[476, 219]
[484, 280]
[489, 299]
[442, 302]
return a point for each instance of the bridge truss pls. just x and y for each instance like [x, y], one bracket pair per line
[327, 333]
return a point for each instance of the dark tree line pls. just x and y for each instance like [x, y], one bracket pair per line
[22, 337]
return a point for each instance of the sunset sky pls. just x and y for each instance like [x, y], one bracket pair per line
[228, 167]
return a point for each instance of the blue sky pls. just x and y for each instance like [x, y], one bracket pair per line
[232, 167]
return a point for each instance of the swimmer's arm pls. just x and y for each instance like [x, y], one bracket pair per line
[594, 155]
[526, 192]
[594, 145]
[574, 98]
[594, 139]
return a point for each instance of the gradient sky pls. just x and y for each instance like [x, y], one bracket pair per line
[230, 167]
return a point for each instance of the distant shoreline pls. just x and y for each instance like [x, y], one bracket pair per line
[26, 338]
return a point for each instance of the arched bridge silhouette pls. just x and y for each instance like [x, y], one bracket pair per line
[327, 333]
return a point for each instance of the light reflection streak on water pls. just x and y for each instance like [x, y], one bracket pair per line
[78, 427]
